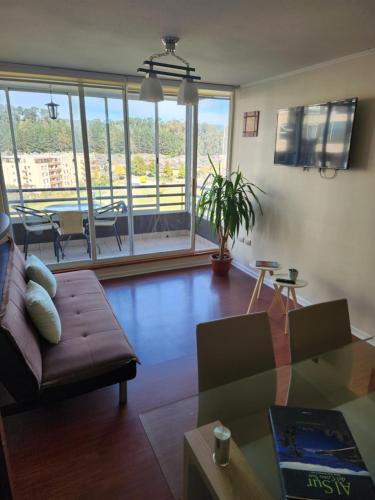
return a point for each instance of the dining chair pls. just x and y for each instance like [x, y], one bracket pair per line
[107, 217]
[232, 354]
[319, 328]
[71, 224]
[233, 348]
[36, 222]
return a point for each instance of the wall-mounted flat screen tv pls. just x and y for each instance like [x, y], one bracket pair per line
[318, 135]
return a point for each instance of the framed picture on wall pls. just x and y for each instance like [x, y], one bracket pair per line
[250, 124]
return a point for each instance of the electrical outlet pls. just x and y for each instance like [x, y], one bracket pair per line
[248, 242]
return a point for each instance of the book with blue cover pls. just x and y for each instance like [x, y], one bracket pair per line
[317, 456]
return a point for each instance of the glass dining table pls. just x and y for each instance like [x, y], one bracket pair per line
[343, 379]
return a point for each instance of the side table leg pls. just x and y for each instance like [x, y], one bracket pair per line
[255, 292]
[262, 275]
[294, 298]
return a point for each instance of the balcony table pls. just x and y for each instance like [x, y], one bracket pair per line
[343, 379]
[69, 207]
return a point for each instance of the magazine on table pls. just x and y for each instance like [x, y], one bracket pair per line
[272, 264]
[317, 456]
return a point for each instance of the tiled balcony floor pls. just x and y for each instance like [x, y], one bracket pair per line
[107, 247]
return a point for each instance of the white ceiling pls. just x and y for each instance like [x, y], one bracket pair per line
[228, 42]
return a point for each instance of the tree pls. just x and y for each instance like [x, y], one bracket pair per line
[142, 135]
[99, 178]
[139, 166]
[151, 168]
[119, 171]
[97, 136]
[210, 139]
[167, 171]
[172, 138]
[181, 171]
[116, 131]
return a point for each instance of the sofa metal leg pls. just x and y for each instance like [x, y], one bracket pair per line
[123, 392]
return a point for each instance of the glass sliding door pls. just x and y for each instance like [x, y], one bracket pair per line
[43, 173]
[130, 164]
[162, 215]
[106, 138]
[8, 157]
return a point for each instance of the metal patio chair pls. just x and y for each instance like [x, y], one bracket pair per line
[107, 217]
[36, 222]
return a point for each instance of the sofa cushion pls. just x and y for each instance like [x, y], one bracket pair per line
[19, 341]
[43, 312]
[92, 341]
[37, 271]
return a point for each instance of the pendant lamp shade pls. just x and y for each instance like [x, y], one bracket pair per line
[187, 93]
[151, 90]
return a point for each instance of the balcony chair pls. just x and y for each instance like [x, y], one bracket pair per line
[70, 224]
[36, 222]
[107, 217]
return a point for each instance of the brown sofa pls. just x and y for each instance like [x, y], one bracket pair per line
[93, 352]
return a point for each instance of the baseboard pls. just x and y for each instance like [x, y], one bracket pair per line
[301, 300]
[360, 333]
[152, 267]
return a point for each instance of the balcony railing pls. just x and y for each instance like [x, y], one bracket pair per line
[146, 198]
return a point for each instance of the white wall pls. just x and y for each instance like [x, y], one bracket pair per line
[324, 228]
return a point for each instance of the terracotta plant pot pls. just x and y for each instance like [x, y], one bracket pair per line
[221, 267]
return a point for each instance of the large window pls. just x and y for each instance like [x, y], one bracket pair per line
[139, 208]
[213, 118]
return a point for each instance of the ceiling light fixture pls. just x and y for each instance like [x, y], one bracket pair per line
[151, 89]
[52, 107]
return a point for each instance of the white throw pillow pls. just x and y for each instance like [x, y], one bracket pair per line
[37, 271]
[43, 312]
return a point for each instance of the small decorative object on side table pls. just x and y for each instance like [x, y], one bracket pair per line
[293, 274]
[263, 266]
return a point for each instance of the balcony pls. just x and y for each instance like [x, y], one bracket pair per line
[161, 221]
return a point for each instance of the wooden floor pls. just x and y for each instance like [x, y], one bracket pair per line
[89, 448]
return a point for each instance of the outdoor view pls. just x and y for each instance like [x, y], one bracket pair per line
[51, 170]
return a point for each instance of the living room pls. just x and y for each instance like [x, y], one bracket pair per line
[108, 171]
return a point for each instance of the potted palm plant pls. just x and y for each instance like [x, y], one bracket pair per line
[227, 203]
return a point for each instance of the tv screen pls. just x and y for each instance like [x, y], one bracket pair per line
[318, 135]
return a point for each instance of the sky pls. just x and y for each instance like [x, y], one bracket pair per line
[213, 111]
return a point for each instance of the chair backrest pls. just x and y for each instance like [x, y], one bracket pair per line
[233, 348]
[319, 328]
[71, 222]
[111, 211]
[29, 215]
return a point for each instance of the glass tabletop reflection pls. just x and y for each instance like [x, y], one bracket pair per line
[342, 379]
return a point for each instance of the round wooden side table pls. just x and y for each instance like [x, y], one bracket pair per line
[291, 293]
[258, 286]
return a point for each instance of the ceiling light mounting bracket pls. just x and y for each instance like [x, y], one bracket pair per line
[152, 91]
